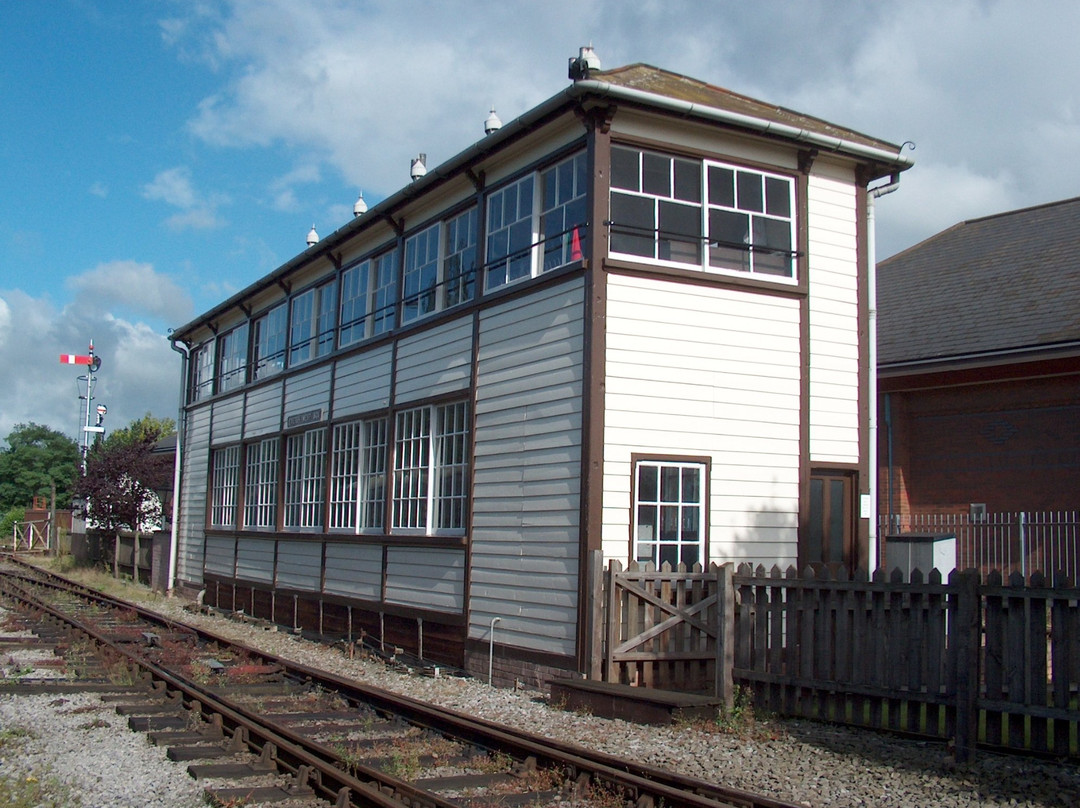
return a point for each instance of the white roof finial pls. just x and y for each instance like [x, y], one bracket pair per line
[492, 123]
[360, 206]
[312, 236]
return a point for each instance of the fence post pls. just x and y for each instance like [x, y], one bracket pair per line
[725, 635]
[596, 615]
[965, 586]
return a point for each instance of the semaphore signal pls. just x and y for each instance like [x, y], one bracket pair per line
[93, 363]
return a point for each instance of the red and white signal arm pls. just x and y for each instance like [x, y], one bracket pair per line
[75, 359]
[102, 410]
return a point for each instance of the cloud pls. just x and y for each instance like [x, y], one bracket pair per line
[129, 286]
[173, 186]
[99, 189]
[139, 371]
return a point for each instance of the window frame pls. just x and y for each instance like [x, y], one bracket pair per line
[357, 494]
[232, 358]
[423, 268]
[262, 470]
[700, 190]
[568, 241]
[311, 332]
[270, 341]
[202, 371]
[497, 223]
[436, 440]
[638, 501]
[224, 486]
[304, 492]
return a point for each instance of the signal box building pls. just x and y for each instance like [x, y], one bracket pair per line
[625, 325]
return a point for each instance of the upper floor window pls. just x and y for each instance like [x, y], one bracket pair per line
[421, 293]
[563, 211]
[459, 258]
[431, 468]
[224, 480]
[202, 371]
[669, 512]
[232, 358]
[667, 208]
[269, 343]
[368, 298]
[511, 233]
[312, 322]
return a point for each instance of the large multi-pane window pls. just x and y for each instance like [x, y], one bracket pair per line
[261, 485]
[511, 233]
[268, 355]
[305, 479]
[202, 371]
[368, 298]
[312, 322]
[358, 475]
[232, 358]
[669, 512]
[431, 468]
[656, 206]
[563, 211]
[459, 258]
[668, 208]
[420, 296]
[224, 478]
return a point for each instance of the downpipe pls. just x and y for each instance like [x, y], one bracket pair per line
[491, 646]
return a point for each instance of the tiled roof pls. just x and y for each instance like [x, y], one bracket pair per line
[998, 283]
[673, 85]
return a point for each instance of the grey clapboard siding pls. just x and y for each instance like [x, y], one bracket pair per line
[354, 570]
[434, 362]
[362, 383]
[526, 486]
[299, 565]
[195, 459]
[220, 555]
[308, 391]
[427, 578]
[228, 420]
[255, 560]
[263, 411]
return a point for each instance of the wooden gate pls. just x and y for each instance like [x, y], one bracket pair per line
[663, 627]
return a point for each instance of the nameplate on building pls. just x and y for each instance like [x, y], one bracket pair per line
[304, 418]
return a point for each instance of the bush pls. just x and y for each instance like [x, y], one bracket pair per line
[13, 515]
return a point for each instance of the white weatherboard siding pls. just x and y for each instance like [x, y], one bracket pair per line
[426, 578]
[834, 319]
[434, 362]
[255, 560]
[196, 460]
[362, 383]
[220, 555]
[227, 421]
[354, 570]
[262, 414]
[526, 494]
[299, 565]
[714, 373]
[307, 392]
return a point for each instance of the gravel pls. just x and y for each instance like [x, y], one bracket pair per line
[815, 764]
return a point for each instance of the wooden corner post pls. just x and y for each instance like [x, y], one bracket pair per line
[725, 635]
[966, 642]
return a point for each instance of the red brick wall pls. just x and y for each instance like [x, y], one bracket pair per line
[1012, 445]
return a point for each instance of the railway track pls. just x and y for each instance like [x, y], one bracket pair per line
[261, 728]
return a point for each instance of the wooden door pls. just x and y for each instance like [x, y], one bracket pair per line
[829, 536]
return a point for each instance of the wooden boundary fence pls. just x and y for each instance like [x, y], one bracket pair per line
[965, 660]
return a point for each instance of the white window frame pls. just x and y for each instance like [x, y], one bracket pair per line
[224, 482]
[563, 188]
[311, 323]
[458, 266]
[305, 480]
[756, 256]
[648, 538]
[261, 468]
[232, 358]
[358, 476]
[504, 212]
[423, 277]
[431, 465]
[270, 342]
[202, 372]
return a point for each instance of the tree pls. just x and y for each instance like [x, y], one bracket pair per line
[35, 458]
[122, 474]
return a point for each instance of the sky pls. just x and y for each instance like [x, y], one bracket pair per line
[157, 156]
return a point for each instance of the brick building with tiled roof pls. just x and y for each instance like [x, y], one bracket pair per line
[979, 366]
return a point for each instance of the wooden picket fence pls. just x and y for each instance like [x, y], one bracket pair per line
[963, 659]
